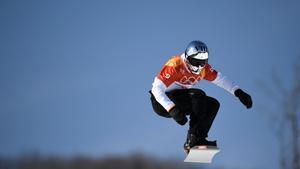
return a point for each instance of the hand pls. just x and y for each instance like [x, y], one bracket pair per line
[178, 116]
[244, 98]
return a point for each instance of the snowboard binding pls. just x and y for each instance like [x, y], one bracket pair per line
[193, 140]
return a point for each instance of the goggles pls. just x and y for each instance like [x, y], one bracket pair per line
[197, 62]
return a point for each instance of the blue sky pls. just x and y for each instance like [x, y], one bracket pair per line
[75, 74]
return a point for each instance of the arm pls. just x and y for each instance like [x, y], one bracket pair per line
[225, 83]
[222, 81]
[158, 90]
[165, 78]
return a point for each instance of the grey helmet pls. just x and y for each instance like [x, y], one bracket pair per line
[196, 56]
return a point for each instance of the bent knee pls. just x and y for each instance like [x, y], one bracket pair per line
[196, 92]
[214, 103]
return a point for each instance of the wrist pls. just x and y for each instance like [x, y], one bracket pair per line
[174, 111]
[238, 92]
[170, 109]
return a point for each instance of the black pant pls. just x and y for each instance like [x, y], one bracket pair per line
[194, 102]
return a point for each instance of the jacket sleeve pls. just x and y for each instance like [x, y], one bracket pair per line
[158, 90]
[218, 79]
[164, 79]
[225, 83]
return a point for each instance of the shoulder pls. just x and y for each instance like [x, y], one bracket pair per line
[175, 61]
[209, 73]
[169, 73]
[208, 67]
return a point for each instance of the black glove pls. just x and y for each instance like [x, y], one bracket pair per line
[179, 117]
[244, 98]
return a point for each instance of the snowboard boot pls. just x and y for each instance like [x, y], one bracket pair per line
[191, 141]
[194, 140]
[203, 141]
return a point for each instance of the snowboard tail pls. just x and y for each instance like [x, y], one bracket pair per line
[202, 154]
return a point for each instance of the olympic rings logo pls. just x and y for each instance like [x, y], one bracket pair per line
[189, 80]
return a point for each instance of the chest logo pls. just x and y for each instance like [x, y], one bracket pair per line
[167, 76]
[189, 80]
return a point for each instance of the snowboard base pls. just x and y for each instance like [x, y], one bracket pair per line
[202, 154]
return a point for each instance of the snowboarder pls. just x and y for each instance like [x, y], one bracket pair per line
[172, 95]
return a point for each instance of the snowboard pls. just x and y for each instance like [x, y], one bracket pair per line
[201, 154]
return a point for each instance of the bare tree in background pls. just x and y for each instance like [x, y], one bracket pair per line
[283, 95]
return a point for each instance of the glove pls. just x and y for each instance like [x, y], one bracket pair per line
[179, 117]
[244, 98]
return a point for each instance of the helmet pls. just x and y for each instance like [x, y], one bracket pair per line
[196, 56]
